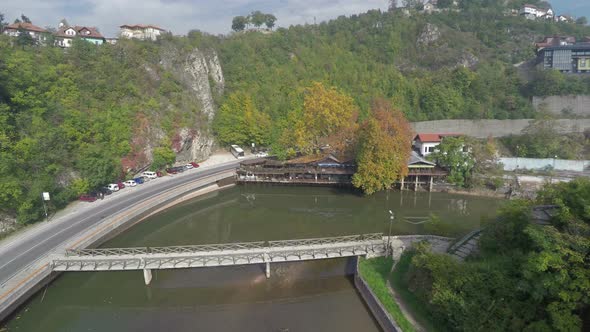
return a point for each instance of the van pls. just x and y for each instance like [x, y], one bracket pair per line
[113, 187]
[150, 175]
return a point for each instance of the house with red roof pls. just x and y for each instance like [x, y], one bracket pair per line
[427, 143]
[141, 31]
[38, 34]
[64, 37]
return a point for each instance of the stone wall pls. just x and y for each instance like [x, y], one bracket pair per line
[495, 128]
[565, 105]
[511, 164]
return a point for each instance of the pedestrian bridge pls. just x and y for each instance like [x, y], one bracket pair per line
[209, 255]
[179, 257]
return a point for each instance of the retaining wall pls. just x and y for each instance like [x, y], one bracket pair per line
[564, 105]
[381, 314]
[511, 164]
[495, 128]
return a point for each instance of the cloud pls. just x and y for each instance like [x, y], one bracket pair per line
[180, 16]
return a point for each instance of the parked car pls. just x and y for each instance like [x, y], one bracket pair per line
[149, 175]
[87, 198]
[121, 185]
[189, 166]
[195, 165]
[130, 183]
[159, 174]
[113, 187]
[139, 180]
[105, 191]
[174, 170]
[261, 154]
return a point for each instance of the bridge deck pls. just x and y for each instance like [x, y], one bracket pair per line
[116, 259]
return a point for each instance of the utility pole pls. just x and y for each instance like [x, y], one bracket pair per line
[391, 217]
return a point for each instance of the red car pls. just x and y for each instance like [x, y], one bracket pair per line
[87, 198]
[121, 185]
[195, 165]
[159, 174]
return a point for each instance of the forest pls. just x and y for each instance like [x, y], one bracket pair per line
[70, 120]
[527, 276]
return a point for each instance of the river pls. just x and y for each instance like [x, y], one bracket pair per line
[300, 296]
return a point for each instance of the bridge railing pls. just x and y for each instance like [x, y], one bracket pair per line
[212, 248]
[107, 251]
[103, 252]
[326, 240]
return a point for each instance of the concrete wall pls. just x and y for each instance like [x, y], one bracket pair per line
[494, 128]
[387, 323]
[574, 105]
[511, 164]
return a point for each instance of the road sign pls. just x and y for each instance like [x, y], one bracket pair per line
[46, 196]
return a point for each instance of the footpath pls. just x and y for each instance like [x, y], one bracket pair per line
[20, 284]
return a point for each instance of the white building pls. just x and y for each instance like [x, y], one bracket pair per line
[38, 34]
[427, 143]
[64, 37]
[533, 12]
[140, 31]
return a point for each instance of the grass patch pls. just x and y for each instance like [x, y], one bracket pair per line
[413, 303]
[375, 272]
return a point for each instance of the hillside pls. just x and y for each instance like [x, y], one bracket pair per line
[74, 120]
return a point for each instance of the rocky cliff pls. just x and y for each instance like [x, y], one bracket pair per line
[200, 75]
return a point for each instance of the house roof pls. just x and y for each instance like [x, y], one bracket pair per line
[80, 31]
[141, 26]
[555, 41]
[25, 26]
[434, 137]
[575, 47]
[416, 159]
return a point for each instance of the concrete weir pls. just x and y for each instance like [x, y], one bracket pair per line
[26, 282]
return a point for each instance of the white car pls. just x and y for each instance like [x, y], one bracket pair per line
[149, 175]
[189, 166]
[130, 183]
[113, 187]
[262, 154]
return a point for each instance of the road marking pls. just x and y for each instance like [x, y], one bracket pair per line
[30, 276]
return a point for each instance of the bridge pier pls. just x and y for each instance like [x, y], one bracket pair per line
[147, 276]
[267, 270]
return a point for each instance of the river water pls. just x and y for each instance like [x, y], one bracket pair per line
[300, 296]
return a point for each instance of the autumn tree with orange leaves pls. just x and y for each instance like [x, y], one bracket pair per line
[384, 147]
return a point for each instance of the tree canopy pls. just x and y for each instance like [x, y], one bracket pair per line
[527, 277]
[384, 149]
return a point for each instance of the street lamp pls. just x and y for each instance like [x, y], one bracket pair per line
[391, 217]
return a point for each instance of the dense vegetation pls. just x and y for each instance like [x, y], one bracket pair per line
[527, 277]
[72, 121]
[68, 119]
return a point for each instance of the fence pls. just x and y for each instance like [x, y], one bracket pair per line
[511, 164]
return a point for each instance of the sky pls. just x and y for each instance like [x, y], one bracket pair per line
[213, 16]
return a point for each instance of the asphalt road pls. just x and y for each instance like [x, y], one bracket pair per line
[24, 252]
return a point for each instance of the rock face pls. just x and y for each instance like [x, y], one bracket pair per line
[429, 35]
[192, 145]
[468, 60]
[7, 223]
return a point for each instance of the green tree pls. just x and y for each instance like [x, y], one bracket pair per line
[384, 149]
[257, 18]
[456, 156]
[25, 19]
[239, 122]
[269, 20]
[582, 20]
[239, 23]
[24, 38]
[163, 156]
